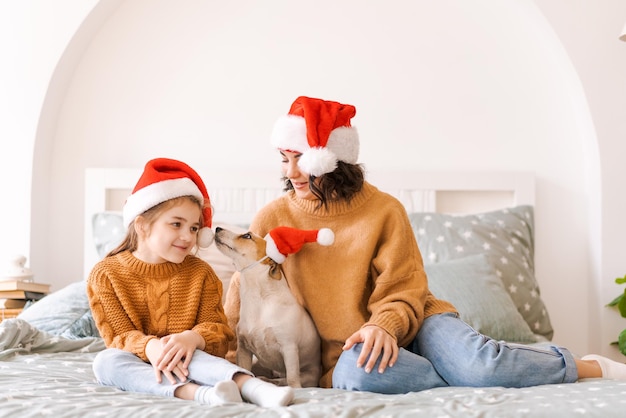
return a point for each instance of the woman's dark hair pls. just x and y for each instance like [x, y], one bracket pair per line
[340, 184]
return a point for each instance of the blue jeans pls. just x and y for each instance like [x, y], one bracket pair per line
[448, 352]
[124, 370]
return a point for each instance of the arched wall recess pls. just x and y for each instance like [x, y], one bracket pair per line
[391, 103]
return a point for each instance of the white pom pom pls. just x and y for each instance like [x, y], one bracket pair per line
[325, 236]
[205, 237]
[317, 161]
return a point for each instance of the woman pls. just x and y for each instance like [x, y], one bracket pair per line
[381, 328]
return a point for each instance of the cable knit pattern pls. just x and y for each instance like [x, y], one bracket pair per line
[133, 302]
[372, 274]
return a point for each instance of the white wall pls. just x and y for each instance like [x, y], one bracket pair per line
[448, 84]
[33, 36]
[589, 31]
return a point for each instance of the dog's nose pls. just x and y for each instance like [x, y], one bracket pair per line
[218, 229]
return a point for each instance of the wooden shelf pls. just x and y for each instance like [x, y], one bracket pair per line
[9, 313]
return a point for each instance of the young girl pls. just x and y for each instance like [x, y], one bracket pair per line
[158, 307]
[382, 330]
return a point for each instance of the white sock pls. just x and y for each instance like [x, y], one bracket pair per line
[266, 394]
[223, 392]
[610, 369]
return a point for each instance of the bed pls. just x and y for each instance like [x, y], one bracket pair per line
[475, 231]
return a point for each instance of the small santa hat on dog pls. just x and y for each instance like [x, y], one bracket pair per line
[164, 179]
[284, 240]
[321, 131]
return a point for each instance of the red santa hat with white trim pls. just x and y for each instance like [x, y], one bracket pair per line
[321, 131]
[164, 179]
[284, 240]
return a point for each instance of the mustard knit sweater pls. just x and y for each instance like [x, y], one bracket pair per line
[371, 274]
[133, 302]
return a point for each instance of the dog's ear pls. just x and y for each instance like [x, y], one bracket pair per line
[275, 270]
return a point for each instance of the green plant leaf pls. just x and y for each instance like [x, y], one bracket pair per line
[622, 305]
[616, 300]
[622, 342]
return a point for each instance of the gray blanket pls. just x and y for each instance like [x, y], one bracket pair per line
[42, 374]
[19, 336]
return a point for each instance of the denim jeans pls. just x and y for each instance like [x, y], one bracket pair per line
[126, 371]
[448, 352]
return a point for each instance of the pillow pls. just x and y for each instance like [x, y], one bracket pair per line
[108, 231]
[471, 285]
[506, 237]
[65, 313]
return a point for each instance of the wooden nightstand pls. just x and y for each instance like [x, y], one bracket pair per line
[9, 313]
[16, 295]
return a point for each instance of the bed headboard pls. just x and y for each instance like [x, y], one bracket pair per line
[238, 196]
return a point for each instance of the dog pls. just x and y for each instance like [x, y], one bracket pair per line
[273, 326]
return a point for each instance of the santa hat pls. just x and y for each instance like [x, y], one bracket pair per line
[284, 240]
[164, 179]
[321, 131]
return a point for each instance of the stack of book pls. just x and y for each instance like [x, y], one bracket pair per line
[15, 294]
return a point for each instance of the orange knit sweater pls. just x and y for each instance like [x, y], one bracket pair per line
[133, 302]
[372, 274]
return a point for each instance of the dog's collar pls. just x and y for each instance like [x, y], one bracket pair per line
[254, 264]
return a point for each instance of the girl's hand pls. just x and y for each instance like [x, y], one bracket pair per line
[172, 354]
[154, 351]
[377, 343]
[177, 351]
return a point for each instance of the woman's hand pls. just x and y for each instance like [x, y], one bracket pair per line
[377, 343]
